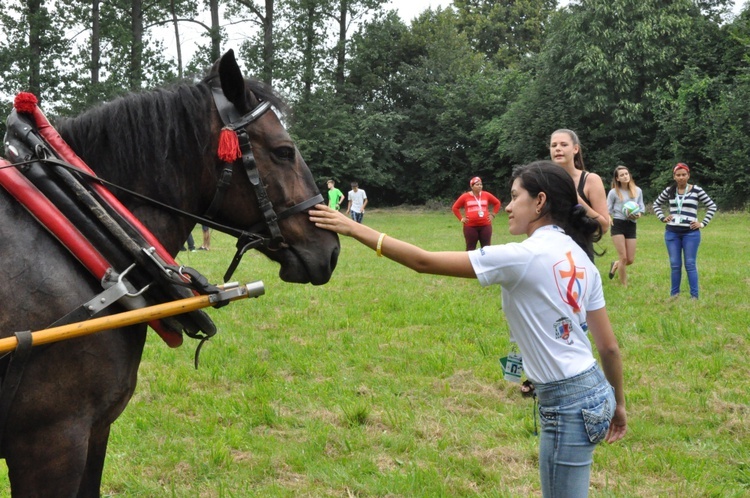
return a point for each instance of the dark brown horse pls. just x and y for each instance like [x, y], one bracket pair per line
[163, 145]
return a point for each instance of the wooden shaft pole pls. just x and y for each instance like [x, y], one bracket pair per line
[133, 317]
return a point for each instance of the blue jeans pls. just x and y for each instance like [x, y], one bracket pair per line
[357, 216]
[677, 244]
[575, 414]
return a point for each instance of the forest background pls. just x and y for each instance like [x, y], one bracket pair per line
[412, 111]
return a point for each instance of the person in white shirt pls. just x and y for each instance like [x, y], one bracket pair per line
[357, 203]
[552, 298]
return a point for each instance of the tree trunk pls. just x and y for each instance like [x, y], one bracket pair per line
[95, 43]
[215, 31]
[308, 52]
[36, 28]
[136, 49]
[341, 47]
[268, 46]
[176, 37]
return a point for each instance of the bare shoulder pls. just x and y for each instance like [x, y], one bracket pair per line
[594, 183]
[595, 177]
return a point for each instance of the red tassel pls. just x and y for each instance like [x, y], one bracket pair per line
[229, 146]
[25, 102]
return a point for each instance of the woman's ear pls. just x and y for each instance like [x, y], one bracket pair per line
[541, 200]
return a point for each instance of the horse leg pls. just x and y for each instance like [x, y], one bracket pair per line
[92, 475]
[57, 433]
[49, 461]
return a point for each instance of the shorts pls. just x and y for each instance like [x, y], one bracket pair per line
[623, 227]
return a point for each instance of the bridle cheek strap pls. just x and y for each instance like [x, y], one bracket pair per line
[264, 203]
[250, 238]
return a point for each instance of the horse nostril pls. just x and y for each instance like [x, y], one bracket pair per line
[335, 258]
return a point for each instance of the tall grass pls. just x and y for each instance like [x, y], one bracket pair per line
[387, 383]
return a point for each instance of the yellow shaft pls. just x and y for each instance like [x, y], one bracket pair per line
[132, 317]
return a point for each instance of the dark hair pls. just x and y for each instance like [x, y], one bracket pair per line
[562, 202]
[578, 158]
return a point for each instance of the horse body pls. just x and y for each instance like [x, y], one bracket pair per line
[163, 145]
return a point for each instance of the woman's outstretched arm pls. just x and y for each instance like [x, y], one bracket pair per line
[450, 263]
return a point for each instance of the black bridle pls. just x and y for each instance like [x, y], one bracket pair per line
[250, 238]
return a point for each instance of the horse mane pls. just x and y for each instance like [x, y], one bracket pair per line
[158, 130]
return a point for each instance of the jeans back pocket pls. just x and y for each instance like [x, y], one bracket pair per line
[597, 419]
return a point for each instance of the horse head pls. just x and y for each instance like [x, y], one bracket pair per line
[169, 145]
[269, 180]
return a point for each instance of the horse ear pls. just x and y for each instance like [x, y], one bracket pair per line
[232, 81]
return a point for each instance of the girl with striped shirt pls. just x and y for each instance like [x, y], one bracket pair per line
[682, 235]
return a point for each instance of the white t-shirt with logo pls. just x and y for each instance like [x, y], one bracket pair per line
[548, 283]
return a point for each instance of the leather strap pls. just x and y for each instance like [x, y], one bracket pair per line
[12, 380]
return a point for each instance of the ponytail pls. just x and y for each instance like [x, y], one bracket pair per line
[562, 202]
[584, 230]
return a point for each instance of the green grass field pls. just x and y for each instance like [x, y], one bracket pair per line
[387, 383]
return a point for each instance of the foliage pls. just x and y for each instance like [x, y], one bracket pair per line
[505, 31]
[708, 125]
[33, 67]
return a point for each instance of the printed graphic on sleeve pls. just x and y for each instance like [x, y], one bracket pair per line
[571, 281]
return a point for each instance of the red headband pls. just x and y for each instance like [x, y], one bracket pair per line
[681, 166]
[474, 180]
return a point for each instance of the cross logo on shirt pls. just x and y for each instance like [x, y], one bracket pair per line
[571, 282]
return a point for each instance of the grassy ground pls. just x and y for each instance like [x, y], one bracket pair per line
[387, 383]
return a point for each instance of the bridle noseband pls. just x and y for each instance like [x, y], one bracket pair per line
[250, 238]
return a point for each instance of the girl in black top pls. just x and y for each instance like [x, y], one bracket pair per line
[565, 151]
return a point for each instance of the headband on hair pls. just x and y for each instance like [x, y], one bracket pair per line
[680, 166]
[474, 180]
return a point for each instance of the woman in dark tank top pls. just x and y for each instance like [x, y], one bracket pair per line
[565, 151]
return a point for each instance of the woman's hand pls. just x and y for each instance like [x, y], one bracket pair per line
[329, 219]
[618, 426]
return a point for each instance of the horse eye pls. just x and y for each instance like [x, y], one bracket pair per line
[286, 153]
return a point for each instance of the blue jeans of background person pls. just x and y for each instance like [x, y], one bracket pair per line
[575, 415]
[357, 216]
[679, 243]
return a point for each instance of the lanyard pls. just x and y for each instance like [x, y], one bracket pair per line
[478, 199]
[679, 199]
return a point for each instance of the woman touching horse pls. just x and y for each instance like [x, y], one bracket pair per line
[552, 299]
[162, 145]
